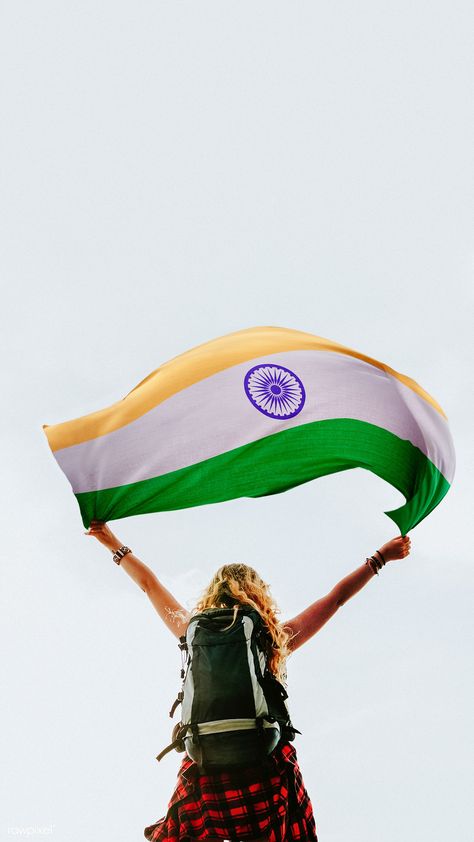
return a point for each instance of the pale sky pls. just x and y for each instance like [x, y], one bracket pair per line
[172, 172]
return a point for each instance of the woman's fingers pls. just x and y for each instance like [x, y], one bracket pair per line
[398, 547]
[100, 530]
[96, 528]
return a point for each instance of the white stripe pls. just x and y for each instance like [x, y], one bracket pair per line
[261, 707]
[215, 415]
[219, 725]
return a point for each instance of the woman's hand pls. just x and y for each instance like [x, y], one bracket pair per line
[101, 531]
[396, 548]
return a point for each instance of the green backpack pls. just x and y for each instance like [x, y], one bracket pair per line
[234, 711]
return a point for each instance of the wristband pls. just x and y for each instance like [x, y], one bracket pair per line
[117, 557]
[373, 566]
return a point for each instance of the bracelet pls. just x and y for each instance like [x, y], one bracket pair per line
[117, 557]
[375, 563]
[381, 556]
[372, 564]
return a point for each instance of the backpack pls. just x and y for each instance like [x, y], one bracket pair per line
[234, 710]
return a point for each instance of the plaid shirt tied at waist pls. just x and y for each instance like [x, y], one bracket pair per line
[269, 802]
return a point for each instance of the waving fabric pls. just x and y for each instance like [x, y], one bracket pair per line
[254, 413]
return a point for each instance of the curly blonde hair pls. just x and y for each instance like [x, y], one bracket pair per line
[239, 584]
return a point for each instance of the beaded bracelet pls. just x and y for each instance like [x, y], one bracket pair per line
[381, 556]
[374, 563]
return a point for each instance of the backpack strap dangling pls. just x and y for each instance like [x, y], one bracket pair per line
[177, 702]
[171, 746]
[179, 732]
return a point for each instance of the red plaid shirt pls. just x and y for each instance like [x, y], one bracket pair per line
[267, 803]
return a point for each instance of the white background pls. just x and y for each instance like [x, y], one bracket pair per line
[172, 172]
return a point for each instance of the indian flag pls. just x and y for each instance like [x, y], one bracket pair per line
[255, 413]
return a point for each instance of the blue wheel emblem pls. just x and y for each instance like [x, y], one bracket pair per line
[274, 390]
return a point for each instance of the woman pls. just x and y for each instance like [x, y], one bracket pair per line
[268, 802]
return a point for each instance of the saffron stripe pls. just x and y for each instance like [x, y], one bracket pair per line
[198, 363]
[215, 416]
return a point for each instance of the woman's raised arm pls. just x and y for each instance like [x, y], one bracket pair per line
[305, 625]
[170, 610]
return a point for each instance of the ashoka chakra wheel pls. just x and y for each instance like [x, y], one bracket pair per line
[274, 390]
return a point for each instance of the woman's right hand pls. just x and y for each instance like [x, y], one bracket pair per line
[398, 547]
[101, 531]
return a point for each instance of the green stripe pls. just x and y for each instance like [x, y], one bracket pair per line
[279, 462]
